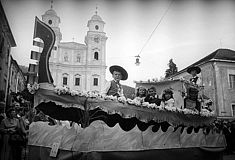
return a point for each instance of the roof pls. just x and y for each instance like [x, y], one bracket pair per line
[96, 18]
[51, 12]
[218, 55]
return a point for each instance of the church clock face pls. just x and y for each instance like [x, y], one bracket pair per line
[96, 27]
[97, 39]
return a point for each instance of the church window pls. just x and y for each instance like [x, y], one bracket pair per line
[77, 81]
[233, 109]
[66, 57]
[65, 80]
[78, 58]
[95, 81]
[232, 81]
[50, 22]
[96, 55]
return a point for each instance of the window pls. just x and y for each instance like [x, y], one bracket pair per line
[95, 82]
[78, 58]
[96, 55]
[77, 81]
[50, 22]
[233, 110]
[232, 80]
[65, 80]
[66, 58]
[96, 27]
[1, 45]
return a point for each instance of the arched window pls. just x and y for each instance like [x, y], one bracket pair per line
[96, 55]
[50, 21]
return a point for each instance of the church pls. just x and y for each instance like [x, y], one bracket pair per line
[76, 65]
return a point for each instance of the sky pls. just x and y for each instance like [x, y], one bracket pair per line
[188, 31]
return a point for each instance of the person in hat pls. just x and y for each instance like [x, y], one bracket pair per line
[194, 70]
[167, 98]
[114, 87]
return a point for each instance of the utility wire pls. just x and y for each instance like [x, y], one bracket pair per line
[156, 27]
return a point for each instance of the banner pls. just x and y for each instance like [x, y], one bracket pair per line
[47, 35]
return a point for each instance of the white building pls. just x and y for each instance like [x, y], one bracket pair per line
[76, 65]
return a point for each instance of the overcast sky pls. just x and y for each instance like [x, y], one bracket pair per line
[189, 31]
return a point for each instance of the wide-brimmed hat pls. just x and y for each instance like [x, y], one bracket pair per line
[119, 69]
[195, 68]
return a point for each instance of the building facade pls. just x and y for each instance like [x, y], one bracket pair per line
[17, 81]
[78, 66]
[6, 42]
[218, 78]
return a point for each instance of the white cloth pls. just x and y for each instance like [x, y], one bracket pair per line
[170, 102]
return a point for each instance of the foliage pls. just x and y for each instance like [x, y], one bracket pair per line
[172, 69]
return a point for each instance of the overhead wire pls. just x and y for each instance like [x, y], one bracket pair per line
[166, 11]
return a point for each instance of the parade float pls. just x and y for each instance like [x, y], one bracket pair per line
[107, 127]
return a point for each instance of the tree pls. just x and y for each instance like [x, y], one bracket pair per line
[172, 69]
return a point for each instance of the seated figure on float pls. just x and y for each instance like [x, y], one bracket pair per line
[167, 98]
[152, 97]
[114, 87]
[141, 93]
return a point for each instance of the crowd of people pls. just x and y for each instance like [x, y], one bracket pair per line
[14, 124]
[14, 128]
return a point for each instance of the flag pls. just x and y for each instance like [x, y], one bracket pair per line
[47, 35]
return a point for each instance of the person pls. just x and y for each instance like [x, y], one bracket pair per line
[9, 126]
[114, 87]
[152, 97]
[141, 94]
[192, 101]
[167, 98]
[2, 114]
[194, 71]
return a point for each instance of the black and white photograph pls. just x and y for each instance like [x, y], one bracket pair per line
[117, 79]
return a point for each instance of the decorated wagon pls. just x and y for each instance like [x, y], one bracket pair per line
[116, 128]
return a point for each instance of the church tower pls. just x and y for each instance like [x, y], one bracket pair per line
[95, 41]
[76, 65]
[50, 18]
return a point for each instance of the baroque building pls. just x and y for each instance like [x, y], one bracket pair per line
[76, 65]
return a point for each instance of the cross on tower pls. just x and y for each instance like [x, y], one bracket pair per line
[51, 4]
[96, 9]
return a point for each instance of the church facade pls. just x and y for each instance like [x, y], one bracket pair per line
[78, 66]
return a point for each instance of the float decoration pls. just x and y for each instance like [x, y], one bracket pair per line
[114, 128]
